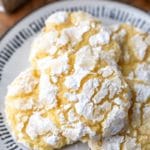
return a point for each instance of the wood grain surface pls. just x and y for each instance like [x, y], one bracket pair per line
[8, 20]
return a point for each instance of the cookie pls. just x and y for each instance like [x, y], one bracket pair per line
[135, 66]
[74, 91]
[86, 102]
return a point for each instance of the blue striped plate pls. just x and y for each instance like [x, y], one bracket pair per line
[15, 46]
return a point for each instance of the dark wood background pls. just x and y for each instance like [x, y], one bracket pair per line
[8, 20]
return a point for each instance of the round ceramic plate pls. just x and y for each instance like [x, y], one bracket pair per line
[15, 47]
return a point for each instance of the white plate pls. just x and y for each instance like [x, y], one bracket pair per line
[15, 46]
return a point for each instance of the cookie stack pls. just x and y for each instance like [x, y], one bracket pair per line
[87, 82]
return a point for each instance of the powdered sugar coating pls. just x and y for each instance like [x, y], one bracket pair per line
[47, 91]
[73, 34]
[23, 104]
[107, 71]
[77, 131]
[139, 46]
[57, 18]
[115, 121]
[24, 83]
[86, 59]
[45, 43]
[142, 72]
[101, 38]
[57, 66]
[52, 140]
[38, 125]
[142, 92]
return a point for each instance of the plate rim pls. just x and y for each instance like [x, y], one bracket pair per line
[138, 10]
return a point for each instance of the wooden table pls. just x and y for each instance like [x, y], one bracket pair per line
[8, 20]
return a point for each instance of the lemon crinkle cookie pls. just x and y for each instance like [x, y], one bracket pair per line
[75, 91]
[135, 66]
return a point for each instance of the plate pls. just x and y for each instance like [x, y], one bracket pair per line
[15, 47]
